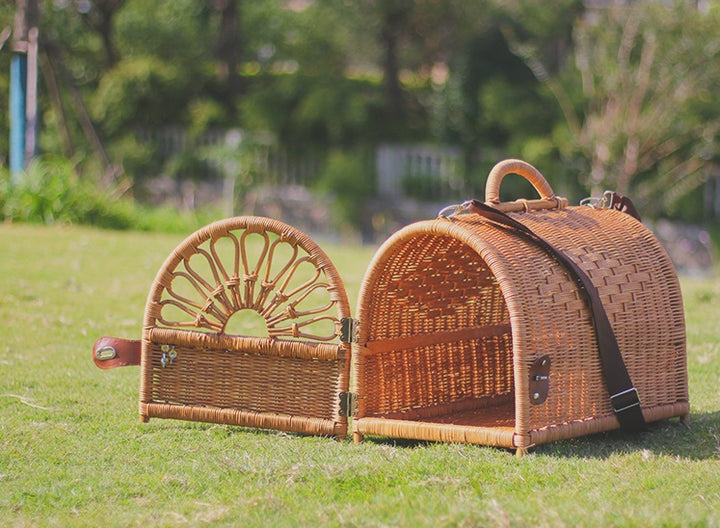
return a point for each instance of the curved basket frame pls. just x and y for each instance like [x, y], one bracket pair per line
[279, 368]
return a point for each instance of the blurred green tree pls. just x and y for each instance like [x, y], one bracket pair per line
[636, 99]
[618, 97]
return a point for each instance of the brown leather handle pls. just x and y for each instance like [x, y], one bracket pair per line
[111, 352]
[521, 168]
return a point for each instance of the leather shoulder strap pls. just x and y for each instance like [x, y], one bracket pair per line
[624, 397]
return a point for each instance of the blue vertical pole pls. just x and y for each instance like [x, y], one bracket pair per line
[18, 122]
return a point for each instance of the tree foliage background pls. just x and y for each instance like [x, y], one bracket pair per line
[599, 94]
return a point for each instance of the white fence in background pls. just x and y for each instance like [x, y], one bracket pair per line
[402, 167]
[427, 172]
[219, 149]
[418, 170]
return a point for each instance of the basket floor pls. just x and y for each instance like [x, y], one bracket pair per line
[493, 425]
[496, 416]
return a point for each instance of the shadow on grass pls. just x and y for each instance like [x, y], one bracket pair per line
[700, 440]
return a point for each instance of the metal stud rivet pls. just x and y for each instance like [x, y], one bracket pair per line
[105, 353]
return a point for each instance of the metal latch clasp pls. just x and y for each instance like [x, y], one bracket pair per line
[540, 380]
[168, 355]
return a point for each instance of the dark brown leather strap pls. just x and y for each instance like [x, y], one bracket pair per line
[624, 204]
[111, 352]
[624, 397]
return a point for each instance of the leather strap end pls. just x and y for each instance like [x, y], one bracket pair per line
[625, 205]
[112, 352]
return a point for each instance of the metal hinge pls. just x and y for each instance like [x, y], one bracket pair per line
[348, 404]
[348, 330]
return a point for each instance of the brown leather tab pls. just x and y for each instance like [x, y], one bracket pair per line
[111, 352]
[540, 380]
[624, 204]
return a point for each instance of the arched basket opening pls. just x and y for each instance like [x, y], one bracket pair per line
[438, 357]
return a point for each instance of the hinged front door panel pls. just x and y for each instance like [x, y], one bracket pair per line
[243, 326]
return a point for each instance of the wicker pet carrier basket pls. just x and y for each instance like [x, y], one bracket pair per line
[505, 324]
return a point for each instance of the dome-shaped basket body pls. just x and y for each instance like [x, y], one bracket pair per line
[288, 373]
[455, 314]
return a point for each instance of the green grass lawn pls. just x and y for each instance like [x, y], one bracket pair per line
[73, 452]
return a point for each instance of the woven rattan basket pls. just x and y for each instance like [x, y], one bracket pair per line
[464, 331]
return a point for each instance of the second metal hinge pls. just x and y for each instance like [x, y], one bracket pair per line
[348, 404]
[348, 330]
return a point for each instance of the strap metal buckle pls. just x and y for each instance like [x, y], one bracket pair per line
[627, 400]
[456, 209]
[599, 202]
